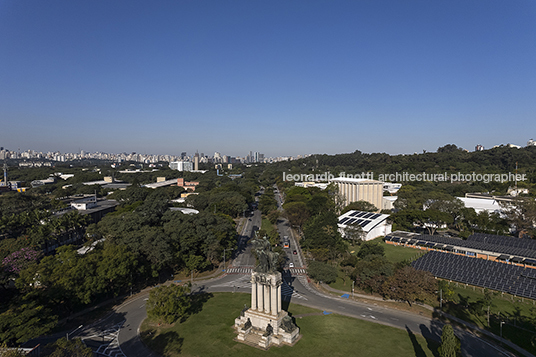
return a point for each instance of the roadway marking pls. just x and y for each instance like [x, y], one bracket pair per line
[244, 282]
[106, 343]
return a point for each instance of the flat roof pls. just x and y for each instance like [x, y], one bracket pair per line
[355, 180]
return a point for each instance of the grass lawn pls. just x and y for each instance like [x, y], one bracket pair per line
[210, 333]
[399, 253]
[394, 253]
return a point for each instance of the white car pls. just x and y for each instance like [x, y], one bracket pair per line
[291, 265]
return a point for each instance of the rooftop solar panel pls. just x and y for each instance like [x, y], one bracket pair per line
[374, 216]
[344, 220]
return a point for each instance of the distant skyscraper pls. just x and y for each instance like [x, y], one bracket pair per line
[196, 161]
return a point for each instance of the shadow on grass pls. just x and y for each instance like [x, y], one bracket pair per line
[163, 343]
[419, 351]
[197, 302]
[432, 335]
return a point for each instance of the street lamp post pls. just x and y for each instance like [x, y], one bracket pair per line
[224, 249]
[502, 323]
[73, 331]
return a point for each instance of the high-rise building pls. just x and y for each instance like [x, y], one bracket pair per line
[196, 162]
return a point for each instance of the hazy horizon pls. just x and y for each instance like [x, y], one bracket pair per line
[280, 78]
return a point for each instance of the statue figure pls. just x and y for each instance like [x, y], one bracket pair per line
[269, 330]
[287, 325]
[247, 325]
[244, 310]
[267, 259]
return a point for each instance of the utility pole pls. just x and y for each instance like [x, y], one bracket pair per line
[353, 288]
[224, 249]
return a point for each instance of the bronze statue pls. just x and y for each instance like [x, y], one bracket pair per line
[266, 258]
[287, 325]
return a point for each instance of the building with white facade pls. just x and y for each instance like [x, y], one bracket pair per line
[181, 165]
[373, 224]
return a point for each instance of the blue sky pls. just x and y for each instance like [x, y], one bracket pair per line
[279, 77]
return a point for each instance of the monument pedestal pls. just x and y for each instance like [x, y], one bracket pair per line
[265, 323]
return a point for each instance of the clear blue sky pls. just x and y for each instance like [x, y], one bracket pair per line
[279, 77]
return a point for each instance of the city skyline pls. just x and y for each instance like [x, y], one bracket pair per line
[283, 78]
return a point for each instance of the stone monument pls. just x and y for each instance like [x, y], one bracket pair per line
[265, 323]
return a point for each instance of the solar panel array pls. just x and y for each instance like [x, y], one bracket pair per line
[492, 243]
[511, 279]
[522, 243]
[361, 218]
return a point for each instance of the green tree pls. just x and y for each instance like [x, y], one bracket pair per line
[371, 272]
[169, 302]
[321, 232]
[319, 271]
[296, 212]
[446, 292]
[360, 206]
[409, 284]
[23, 322]
[489, 299]
[11, 351]
[354, 232]
[370, 248]
[434, 219]
[450, 344]
[69, 348]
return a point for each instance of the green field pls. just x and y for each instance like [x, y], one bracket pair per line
[399, 253]
[209, 333]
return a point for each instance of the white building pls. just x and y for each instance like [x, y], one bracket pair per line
[320, 185]
[181, 165]
[373, 224]
[391, 187]
[481, 204]
[389, 201]
[531, 143]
